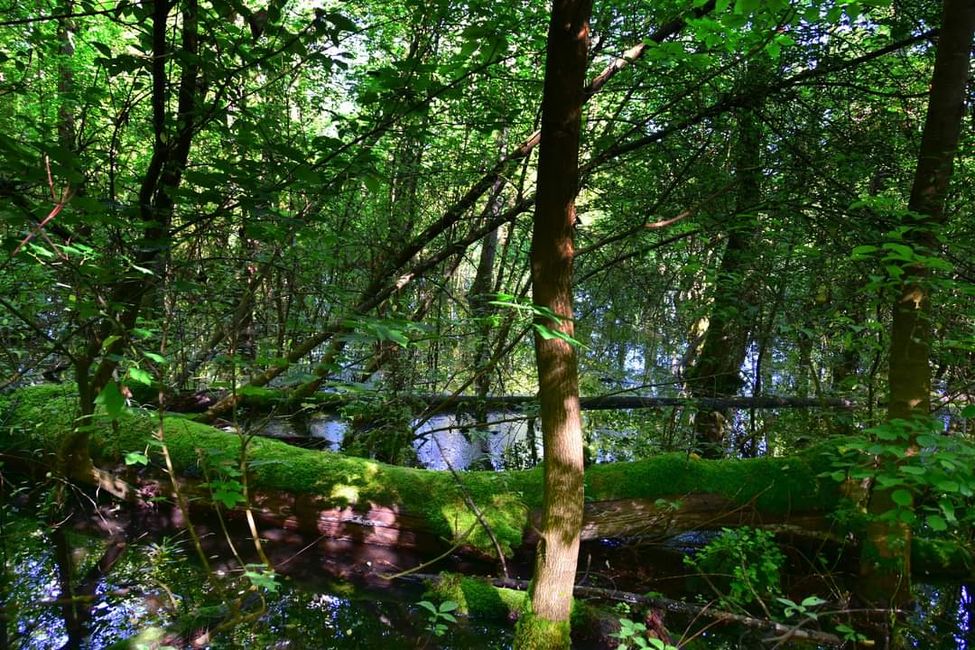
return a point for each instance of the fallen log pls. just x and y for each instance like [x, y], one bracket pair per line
[625, 402]
[332, 496]
[376, 503]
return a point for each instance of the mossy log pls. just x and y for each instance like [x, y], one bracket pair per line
[332, 495]
[383, 504]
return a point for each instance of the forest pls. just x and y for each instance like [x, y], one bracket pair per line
[480, 324]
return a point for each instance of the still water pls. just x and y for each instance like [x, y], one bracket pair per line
[155, 595]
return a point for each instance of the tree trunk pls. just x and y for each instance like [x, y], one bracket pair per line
[885, 563]
[733, 314]
[546, 625]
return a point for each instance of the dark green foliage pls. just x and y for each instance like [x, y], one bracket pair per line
[742, 566]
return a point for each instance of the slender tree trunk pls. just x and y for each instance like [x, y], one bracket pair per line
[173, 137]
[717, 372]
[885, 563]
[546, 625]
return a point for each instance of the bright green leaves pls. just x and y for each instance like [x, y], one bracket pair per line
[396, 331]
[111, 399]
[228, 493]
[262, 577]
[541, 315]
[439, 616]
[744, 565]
[930, 476]
[139, 375]
[136, 458]
[936, 523]
[902, 498]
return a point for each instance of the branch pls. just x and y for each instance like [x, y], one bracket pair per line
[673, 606]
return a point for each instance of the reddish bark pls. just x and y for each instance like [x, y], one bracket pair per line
[552, 253]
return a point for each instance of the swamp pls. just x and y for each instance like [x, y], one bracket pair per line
[479, 324]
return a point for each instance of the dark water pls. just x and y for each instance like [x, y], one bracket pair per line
[329, 595]
[157, 594]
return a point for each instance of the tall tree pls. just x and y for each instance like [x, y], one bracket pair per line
[734, 312]
[885, 566]
[546, 625]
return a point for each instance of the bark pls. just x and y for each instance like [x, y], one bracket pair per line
[558, 381]
[734, 311]
[885, 563]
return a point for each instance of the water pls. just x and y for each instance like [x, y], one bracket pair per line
[442, 441]
[157, 592]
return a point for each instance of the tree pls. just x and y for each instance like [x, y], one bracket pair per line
[885, 565]
[546, 625]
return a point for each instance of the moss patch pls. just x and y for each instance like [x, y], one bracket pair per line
[477, 598]
[774, 484]
[39, 417]
[533, 633]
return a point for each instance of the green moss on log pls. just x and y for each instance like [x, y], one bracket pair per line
[476, 598]
[39, 417]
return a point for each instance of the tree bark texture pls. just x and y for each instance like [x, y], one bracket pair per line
[885, 562]
[909, 372]
[735, 311]
[552, 253]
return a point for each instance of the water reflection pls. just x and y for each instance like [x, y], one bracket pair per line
[502, 442]
[155, 592]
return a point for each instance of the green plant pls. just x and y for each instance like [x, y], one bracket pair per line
[633, 635]
[849, 634]
[439, 616]
[930, 475]
[742, 565]
[805, 609]
[261, 577]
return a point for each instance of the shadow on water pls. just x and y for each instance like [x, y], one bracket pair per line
[156, 591]
[324, 599]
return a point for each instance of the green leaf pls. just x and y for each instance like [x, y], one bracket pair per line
[899, 251]
[746, 6]
[152, 356]
[902, 498]
[140, 375]
[111, 398]
[107, 343]
[342, 23]
[946, 485]
[136, 458]
[863, 251]
[937, 523]
[229, 498]
[548, 334]
[426, 604]
[262, 577]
